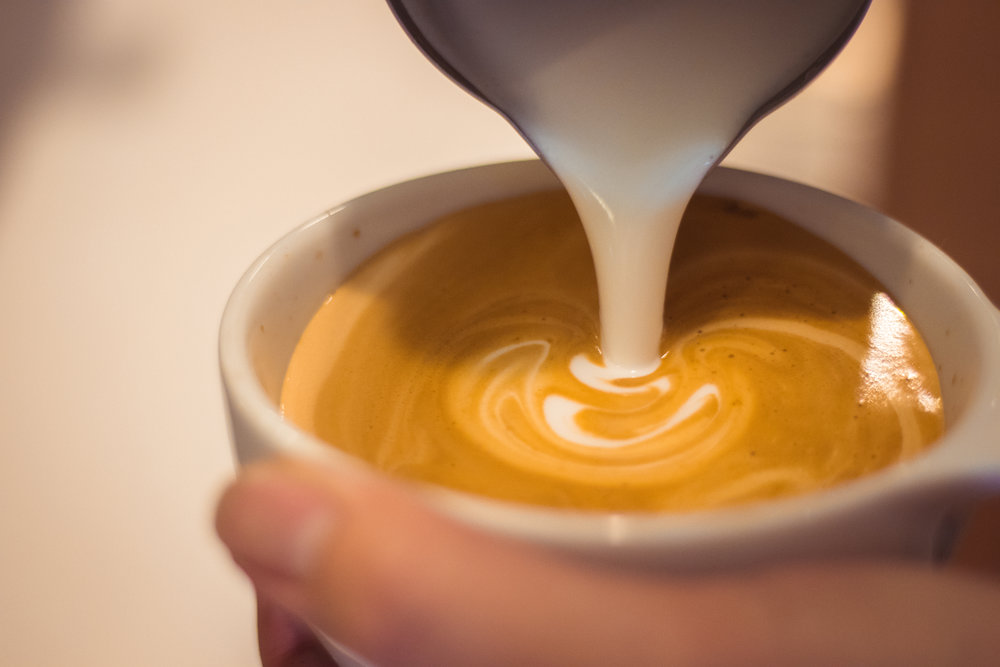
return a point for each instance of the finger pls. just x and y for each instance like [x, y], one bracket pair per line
[368, 566]
[364, 563]
[285, 641]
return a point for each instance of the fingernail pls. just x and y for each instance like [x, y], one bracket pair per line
[275, 521]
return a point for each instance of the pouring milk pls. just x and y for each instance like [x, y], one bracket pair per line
[631, 103]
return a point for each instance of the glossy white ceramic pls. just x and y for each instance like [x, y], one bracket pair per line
[909, 510]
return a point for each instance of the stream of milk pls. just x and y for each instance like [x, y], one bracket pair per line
[631, 103]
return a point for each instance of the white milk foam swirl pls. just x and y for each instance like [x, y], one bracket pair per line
[560, 414]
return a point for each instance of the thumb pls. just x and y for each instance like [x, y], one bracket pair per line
[358, 559]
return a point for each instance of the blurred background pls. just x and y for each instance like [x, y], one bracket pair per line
[149, 151]
[904, 120]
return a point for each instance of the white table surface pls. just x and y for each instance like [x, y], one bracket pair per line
[148, 152]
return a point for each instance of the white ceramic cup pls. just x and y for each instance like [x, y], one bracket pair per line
[907, 510]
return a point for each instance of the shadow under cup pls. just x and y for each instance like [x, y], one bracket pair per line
[910, 509]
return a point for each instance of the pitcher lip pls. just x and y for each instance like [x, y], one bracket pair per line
[957, 461]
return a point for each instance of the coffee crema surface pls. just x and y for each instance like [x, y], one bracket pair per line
[467, 355]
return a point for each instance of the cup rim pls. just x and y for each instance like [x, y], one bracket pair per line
[928, 473]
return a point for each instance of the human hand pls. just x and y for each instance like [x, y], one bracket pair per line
[358, 559]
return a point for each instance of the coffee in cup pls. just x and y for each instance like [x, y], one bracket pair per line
[906, 510]
[467, 355]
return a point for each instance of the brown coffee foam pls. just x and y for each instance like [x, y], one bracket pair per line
[391, 368]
